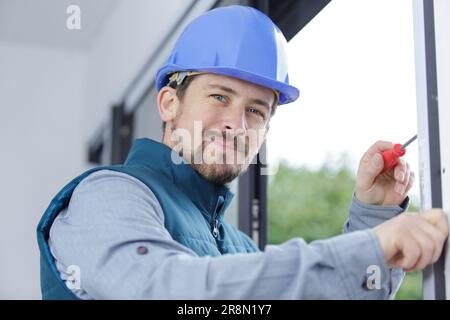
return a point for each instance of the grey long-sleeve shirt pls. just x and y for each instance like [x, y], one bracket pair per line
[113, 232]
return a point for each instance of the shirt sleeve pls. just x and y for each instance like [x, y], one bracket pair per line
[113, 230]
[363, 216]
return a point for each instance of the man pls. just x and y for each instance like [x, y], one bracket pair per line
[154, 228]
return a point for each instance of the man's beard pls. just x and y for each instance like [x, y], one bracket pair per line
[219, 173]
[222, 172]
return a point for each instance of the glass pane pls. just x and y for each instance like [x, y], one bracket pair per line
[354, 65]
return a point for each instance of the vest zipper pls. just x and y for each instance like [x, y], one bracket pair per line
[215, 228]
[215, 222]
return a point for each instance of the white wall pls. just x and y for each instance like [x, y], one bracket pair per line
[40, 103]
[53, 97]
[130, 36]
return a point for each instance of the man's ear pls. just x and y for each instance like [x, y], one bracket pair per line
[168, 103]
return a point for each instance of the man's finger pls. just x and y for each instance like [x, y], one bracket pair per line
[412, 177]
[372, 164]
[426, 244]
[438, 218]
[436, 235]
[400, 171]
[410, 250]
[378, 147]
[407, 174]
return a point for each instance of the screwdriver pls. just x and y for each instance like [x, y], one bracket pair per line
[390, 157]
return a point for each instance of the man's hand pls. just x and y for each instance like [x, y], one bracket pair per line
[389, 188]
[412, 241]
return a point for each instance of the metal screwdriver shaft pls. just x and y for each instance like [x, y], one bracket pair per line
[407, 143]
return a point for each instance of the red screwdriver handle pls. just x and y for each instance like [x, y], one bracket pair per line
[390, 157]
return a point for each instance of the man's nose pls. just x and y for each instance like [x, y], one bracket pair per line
[235, 121]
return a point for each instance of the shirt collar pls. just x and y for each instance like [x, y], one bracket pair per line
[212, 199]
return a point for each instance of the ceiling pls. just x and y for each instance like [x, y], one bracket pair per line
[43, 22]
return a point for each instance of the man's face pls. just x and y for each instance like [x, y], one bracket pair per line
[219, 125]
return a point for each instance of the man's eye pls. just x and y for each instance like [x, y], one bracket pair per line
[218, 97]
[257, 112]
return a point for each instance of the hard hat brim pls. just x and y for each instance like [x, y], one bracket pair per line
[287, 92]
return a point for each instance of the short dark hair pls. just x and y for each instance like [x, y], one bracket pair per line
[181, 92]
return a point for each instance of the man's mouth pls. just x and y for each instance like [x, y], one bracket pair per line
[224, 145]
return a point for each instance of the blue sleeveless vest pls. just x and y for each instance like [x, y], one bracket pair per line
[193, 209]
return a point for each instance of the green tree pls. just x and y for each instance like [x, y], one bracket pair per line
[313, 204]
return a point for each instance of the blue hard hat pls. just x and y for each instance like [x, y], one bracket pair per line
[236, 41]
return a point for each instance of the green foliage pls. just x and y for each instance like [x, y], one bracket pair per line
[411, 288]
[308, 204]
[313, 204]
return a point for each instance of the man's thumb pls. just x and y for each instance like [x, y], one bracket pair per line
[377, 163]
[369, 170]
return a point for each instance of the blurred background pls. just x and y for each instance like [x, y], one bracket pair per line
[76, 93]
